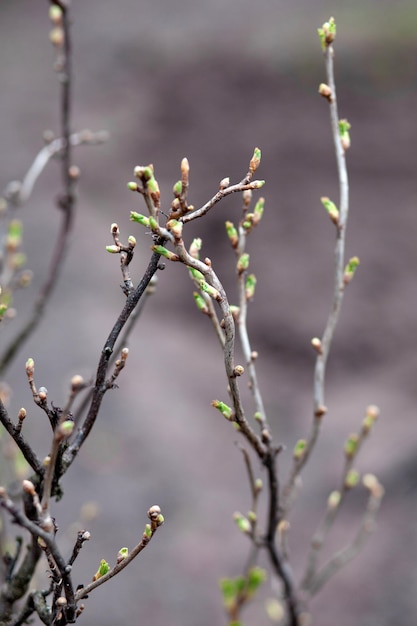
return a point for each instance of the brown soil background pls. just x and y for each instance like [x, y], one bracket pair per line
[210, 80]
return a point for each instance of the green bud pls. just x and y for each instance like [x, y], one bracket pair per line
[234, 310]
[148, 530]
[200, 302]
[352, 479]
[66, 428]
[344, 128]
[350, 269]
[195, 248]
[250, 286]
[256, 576]
[171, 256]
[258, 211]
[257, 184]
[177, 189]
[3, 309]
[122, 554]
[104, 567]
[153, 223]
[242, 523]
[224, 409]
[196, 274]
[243, 263]
[299, 449]
[327, 33]
[175, 227]
[131, 241]
[331, 209]
[258, 485]
[160, 519]
[252, 517]
[255, 160]
[372, 413]
[132, 186]
[333, 500]
[14, 234]
[138, 217]
[258, 416]
[143, 172]
[113, 249]
[212, 291]
[232, 234]
[351, 445]
[248, 222]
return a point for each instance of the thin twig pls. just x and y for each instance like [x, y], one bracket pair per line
[100, 386]
[344, 556]
[156, 522]
[338, 290]
[21, 442]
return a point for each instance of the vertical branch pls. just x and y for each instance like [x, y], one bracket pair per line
[339, 217]
[69, 174]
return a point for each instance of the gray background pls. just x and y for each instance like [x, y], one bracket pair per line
[210, 80]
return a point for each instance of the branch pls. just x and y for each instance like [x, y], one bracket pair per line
[100, 386]
[323, 345]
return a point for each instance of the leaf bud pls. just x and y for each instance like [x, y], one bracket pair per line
[333, 500]
[66, 428]
[77, 382]
[185, 167]
[104, 567]
[138, 217]
[122, 554]
[238, 370]
[56, 37]
[171, 256]
[113, 249]
[232, 234]
[42, 393]
[350, 269]
[55, 14]
[331, 209]
[325, 91]
[250, 286]
[132, 186]
[175, 227]
[351, 479]
[255, 160]
[299, 449]
[351, 445]
[177, 189]
[224, 409]
[327, 33]
[243, 263]
[21, 415]
[195, 248]
[29, 487]
[212, 291]
[316, 343]
[242, 523]
[131, 240]
[224, 183]
[200, 302]
[258, 211]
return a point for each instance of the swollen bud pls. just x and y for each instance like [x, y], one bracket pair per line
[255, 160]
[331, 209]
[224, 409]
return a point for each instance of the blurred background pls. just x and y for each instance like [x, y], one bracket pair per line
[211, 80]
